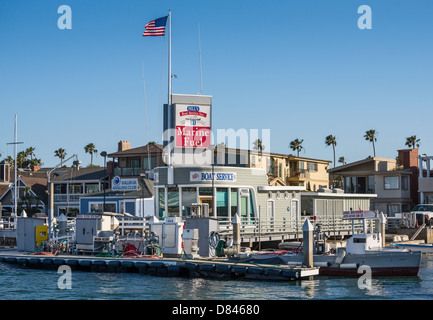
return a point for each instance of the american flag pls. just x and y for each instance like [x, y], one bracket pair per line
[155, 27]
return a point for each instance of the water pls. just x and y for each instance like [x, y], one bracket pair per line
[18, 283]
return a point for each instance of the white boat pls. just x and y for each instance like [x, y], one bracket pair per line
[362, 249]
[423, 247]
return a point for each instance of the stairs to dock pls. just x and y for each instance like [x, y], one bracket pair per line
[418, 232]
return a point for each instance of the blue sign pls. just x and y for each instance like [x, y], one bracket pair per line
[193, 108]
[119, 184]
[116, 180]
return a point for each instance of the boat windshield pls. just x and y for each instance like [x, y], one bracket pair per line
[423, 207]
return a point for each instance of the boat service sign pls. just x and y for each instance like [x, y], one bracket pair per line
[193, 126]
[358, 214]
[207, 176]
[122, 184]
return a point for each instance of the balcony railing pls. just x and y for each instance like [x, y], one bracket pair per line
[67, 198]
[128, 171]
[300, 173]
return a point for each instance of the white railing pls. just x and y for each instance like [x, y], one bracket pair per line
[7, 223]
[255, 227]
[127, 225]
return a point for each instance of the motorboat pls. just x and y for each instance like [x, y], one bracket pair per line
[364, 249]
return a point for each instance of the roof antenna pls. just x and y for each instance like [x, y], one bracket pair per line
[199, 54]
[145, 114]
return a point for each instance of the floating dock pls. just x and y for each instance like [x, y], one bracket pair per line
[168, 267]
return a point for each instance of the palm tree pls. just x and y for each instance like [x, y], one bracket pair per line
[258, 145]
[91, 149]
[21, 159]
[10, 161]
[370, 135]
[330, 141]
[342, 160]
[30, 151]
[296, 145]
[61, 154]
[412, 142]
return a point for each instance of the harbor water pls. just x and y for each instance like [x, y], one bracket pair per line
[21, 283]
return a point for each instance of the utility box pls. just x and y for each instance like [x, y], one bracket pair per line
[169, 234]
[88, 226]
[206, 227]
[190, 242]
[41, 234]
[27, 233]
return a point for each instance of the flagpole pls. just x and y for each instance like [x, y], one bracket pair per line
[169, 58]
[170, 114]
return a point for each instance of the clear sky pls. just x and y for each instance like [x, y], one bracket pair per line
[301, 68]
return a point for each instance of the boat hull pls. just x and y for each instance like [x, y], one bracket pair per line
[381, 263]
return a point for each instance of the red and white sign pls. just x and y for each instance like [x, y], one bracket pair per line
[192, 137]
[359, 214]
[193, 128]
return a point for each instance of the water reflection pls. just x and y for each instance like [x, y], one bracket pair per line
[24, 283]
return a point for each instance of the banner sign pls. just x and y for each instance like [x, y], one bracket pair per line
[217, 176]
[118, 184]
[359, 214]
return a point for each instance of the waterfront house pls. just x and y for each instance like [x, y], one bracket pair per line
[391, 179]
[75, 183]
[135, 162]
[31, 195]
[138, 202]
[425, 180]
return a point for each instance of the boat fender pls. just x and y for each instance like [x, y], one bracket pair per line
[349, 266]
[322, 264]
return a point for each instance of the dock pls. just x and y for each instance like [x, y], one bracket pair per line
[165, 267]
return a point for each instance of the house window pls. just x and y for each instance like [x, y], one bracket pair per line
[233, 201]
[90, 188]
[404, 183]
[391, 183]
[146, 163]
[371, 184]
[312, 166]
[222, 202]
[76, 188]
[393, 209]
[135, 163]
[189, 196]
[173, 202]
[99, 207]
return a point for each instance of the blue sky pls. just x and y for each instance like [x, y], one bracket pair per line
[302, 69]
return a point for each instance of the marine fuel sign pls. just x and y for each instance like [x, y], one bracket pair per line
[193, 126]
